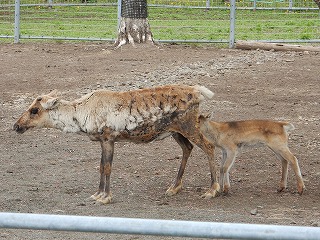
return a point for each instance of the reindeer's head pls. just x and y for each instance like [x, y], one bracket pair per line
[37, 114]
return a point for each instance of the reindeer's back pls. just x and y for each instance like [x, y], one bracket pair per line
[128, 110]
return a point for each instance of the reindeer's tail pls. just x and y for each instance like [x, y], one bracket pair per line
[205, 92]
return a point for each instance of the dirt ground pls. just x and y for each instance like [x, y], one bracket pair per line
[50, 172]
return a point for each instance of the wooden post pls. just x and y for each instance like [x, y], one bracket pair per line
[252, 45]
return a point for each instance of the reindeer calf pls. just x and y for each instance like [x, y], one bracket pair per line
[231, 136]
[138, 116]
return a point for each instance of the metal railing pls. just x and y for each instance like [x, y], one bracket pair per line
[218, 22]
[156, 227]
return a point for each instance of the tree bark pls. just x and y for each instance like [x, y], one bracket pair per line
[134, 26]
[134, 30]
[251, 45]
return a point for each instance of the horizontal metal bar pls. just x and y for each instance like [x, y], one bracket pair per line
[112, 40]
[161, 6]
[156, 227]
[192, 41]
[66, 38]
[161, 41]
[279, 8]
[6, 36]
[60, 4]
[289, 41]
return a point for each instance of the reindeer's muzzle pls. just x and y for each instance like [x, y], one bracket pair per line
[19, 129]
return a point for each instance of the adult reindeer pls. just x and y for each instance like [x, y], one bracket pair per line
[139, 116]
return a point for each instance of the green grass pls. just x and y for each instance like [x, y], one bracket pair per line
[167, 23]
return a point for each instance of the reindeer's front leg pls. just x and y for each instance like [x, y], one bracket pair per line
[104, 194]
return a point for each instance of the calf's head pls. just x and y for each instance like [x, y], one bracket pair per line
[37, 113]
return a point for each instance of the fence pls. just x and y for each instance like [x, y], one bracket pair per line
[218, 21]
[156, 227]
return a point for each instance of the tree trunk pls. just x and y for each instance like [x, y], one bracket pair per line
[318, 3]
[134, 26]
[133, 30]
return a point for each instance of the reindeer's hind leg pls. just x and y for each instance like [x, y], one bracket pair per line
[104, 194]
[187, 147]
[284, 154]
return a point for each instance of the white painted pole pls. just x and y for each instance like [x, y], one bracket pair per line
[156, 227]
[119, 13]
[232, 23]
[17, 21]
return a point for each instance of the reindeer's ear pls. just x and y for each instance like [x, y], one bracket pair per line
[53, 93]
[49, 103]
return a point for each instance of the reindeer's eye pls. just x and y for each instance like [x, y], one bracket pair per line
[34, 110]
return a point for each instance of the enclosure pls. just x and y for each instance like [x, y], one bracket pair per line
[49, 172]
[214, 21]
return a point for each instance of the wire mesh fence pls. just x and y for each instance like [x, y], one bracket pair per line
[64, 19]
[7, 18]
[186, 20]
[278, 20]
[170, 20]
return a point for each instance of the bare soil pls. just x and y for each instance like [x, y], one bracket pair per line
[47, 171]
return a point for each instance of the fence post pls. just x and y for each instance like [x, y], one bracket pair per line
[17, 21]
[232, 23]
[207, 4]
[50, 2]
[290, 5]
[119, 13]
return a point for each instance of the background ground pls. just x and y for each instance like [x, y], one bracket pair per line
[46, 171]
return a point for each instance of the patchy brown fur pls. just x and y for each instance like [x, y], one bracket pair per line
[231, 136]
[138, 116]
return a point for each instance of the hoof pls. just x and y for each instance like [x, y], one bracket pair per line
[173, 190]
[95, 196]
[105, 200]
[210, 194]
[301, 190]
[281, 189]
[225, 190]
[102, 197]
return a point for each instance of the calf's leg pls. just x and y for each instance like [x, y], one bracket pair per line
[228, 158]
[284, 154]
[284, 174]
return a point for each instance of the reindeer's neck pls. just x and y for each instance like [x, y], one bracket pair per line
[63, 117]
